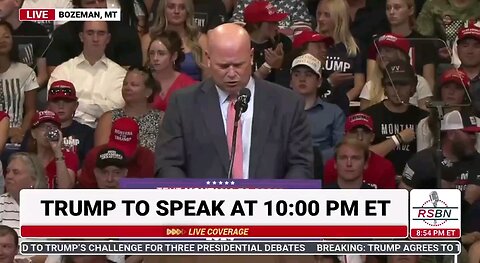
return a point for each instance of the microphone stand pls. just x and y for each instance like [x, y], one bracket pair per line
[238, 113]
[439, 151]
[241, 106]
[440, 109]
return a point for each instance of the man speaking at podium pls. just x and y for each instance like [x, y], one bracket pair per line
[273, 137]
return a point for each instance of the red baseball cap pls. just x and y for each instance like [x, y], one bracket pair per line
[471, 31]
[389, 40]
[262, 11]
[124, 136]
[62, 89]
[358, 119]
[45, 116]
[307, 36]
[457, 76]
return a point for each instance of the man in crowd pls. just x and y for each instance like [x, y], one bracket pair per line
[8, 245]
[460, 163]
[124, 47]
[351, 160]
[395, 119]
[111, 166]
[468, 49]
[273, 138]
[380, 172]
[123, 137]
[97, 79]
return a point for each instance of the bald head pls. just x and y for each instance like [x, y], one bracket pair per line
[228, 36]
[230, 57]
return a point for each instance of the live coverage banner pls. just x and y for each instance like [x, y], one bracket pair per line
[200, 213]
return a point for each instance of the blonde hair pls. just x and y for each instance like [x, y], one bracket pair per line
[35, 167]
[341, 33]
[193, 33]
[377, 90]
[355, 144]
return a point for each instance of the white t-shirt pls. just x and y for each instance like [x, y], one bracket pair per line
[423, 91]
[14, 82]
[425, 139]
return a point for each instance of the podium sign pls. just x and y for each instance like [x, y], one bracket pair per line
[160, 183]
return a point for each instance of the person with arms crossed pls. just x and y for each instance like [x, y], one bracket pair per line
[273, 139]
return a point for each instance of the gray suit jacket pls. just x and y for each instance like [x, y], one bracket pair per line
[192, 142]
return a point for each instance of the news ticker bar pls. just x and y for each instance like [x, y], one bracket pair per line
[291, 247]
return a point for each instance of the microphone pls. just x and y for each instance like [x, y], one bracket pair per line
[241, 105]
[434, 198]
[436, 104]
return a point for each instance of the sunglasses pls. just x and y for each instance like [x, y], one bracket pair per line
[65, 91]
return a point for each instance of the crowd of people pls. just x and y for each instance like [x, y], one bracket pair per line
[361, 94]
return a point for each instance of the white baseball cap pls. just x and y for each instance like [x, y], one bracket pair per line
[309, 61]
[455, 120]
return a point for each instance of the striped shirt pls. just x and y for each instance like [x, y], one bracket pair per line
[9, 212]
[18, 79]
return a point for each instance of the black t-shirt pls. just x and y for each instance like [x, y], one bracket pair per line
[209, 14]
[259, 52]
[338, 60]
[77, 138]
[336, 186]
[31, 40]
[387, 123]
[420, 171]
[124, 47]
[335, 96]
[422, 51]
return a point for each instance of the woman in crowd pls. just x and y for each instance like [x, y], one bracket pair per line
[401, 17]
[165, 56]
[177, 15]
[139, 89]
[60, 166]
[18, 86]
[453, 88]
[390, 47]
[345, 65]
[261, 22]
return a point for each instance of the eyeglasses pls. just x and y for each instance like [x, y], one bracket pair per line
[65, 91]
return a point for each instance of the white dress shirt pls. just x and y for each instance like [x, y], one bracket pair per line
[246, 121]
[98, 86]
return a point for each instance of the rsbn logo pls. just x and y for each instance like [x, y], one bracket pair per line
[434, 211]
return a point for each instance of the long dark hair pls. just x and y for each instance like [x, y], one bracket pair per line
[14, 56]
[172, 40]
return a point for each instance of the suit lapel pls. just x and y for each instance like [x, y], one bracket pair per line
[263, 111]
[210, 109]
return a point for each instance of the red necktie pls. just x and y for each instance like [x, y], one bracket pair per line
[237, 171]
